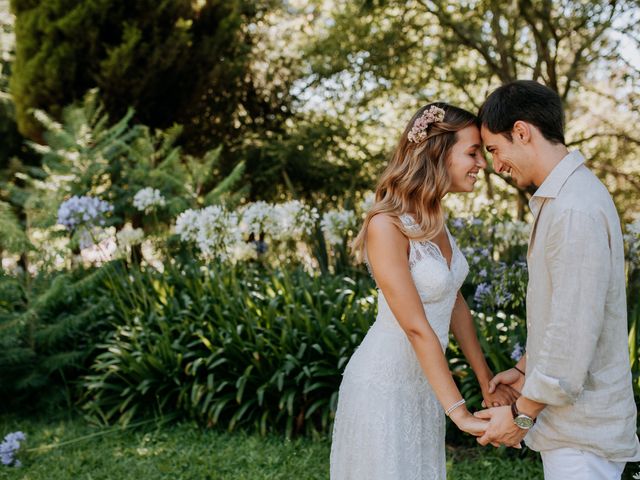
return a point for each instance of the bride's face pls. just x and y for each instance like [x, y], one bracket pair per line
[465, 160]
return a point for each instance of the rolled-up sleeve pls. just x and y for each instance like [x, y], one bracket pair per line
[578, 261]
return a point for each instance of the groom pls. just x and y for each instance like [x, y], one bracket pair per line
[577, 407]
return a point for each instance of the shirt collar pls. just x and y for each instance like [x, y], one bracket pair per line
[559, 175]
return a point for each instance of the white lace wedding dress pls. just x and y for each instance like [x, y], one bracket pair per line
[389, 424]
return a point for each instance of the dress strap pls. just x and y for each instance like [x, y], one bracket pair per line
[420, 249]
[407, 220]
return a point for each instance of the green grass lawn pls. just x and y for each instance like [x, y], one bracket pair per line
[186, 451]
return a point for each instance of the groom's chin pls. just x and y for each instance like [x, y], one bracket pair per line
[519, 182]
[523, 185]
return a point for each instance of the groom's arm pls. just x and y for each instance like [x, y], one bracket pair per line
[577, 257]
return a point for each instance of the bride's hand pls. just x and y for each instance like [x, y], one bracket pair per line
[511, 377]
[466, 422]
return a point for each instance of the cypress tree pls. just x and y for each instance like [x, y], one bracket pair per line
[173, 61]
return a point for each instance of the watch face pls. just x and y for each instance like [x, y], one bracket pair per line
[523, 422]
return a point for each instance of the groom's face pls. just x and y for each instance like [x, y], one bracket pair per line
[507, 157]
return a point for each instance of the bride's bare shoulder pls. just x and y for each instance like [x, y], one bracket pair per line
[384, 226]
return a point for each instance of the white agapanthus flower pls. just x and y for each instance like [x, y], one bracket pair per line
[130, 236]
[336, 223]
[243, 251]
[147, 199]
[367, 202]
[514, 232]
[187, 225]
[295, 219]
[218, 233]
[260, 217]
[289, 220]
[214, 230]
[97, 244]
[87, 237]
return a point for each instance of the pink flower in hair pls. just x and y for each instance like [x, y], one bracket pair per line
[420, 127]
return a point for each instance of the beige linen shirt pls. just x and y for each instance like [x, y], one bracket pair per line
[577, 346]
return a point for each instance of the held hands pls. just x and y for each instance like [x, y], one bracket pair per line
[468, 423]
[501, 429]
[494, 425]
[498, 395]
[512, 377]
[503, 390]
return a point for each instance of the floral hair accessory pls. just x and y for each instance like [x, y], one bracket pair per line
[419, 130]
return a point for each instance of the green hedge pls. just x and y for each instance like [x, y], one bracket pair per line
[231, 346]
[49, 325]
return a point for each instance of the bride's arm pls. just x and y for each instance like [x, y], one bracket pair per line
[464, 331]
[387, 253]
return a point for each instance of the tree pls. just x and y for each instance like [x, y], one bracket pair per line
[173, 61]
[11, 139]
[408, 53]
[225, 71]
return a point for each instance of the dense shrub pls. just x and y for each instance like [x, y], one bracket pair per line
[48, 331]
[231, 346]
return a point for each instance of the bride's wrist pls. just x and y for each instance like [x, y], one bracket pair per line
[484, 377]
[459, 414]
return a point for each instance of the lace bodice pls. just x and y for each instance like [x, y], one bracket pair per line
[437, 282]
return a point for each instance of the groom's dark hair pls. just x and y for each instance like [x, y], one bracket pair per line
[527, 101]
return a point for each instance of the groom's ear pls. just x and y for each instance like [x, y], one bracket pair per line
[521, 132]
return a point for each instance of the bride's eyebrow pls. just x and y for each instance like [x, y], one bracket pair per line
[474, 146]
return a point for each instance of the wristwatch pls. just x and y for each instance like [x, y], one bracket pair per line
[522, 420]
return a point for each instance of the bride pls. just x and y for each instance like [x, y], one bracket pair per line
[397, 387]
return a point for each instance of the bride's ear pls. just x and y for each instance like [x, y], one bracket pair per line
[521, 132]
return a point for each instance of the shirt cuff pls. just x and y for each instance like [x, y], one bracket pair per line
[542, 388]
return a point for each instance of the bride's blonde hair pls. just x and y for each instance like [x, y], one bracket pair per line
[417, 178]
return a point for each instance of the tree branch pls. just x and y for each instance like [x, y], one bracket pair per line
[634, 180]
[542, 37]
[578, 57]
[620, 135]
[481, 47]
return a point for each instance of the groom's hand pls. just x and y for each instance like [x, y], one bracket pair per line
[501, 429]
